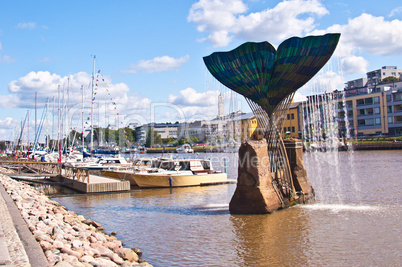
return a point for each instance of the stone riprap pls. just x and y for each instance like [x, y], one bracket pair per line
[66, 238]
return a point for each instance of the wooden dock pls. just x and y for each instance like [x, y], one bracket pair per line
[77, 179]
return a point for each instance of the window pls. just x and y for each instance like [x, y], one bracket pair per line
[293, 129]
[376, 100]
[284, 129]
[292, 116]
[389, 109]
[376, 110]
[377, 121]
[288, 117]
[390, 120]
[389, 98]
[360, 102]
[369, 122]
[288, 129]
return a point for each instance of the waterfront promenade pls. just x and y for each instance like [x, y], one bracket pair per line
[18, 246]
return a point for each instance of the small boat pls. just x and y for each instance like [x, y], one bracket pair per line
[179, 173]
[186, 148]
[111, 163]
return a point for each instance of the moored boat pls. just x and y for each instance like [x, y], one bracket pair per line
[178, 173]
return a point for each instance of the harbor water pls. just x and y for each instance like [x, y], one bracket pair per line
[355, 220]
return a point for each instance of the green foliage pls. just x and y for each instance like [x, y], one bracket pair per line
[3, 145]
[390, 79]
[153, 138]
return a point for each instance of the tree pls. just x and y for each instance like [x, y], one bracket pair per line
[153, 137]
[3, 145]
[389, 79]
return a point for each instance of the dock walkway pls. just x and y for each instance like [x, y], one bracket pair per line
[77, 179]
[94, 184]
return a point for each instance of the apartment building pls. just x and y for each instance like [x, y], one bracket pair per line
[367, 106]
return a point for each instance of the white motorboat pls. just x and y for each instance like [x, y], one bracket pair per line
[178, 173]
[186, 148]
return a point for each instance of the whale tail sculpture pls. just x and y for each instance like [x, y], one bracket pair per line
[268, 79]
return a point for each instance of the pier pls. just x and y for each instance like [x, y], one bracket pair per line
[77, 179]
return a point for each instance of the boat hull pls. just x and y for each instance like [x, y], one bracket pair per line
[178, 180]
[122, 175]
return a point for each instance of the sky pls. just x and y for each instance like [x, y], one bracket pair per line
[148, 55]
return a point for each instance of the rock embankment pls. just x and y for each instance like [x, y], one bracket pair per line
[66, 238]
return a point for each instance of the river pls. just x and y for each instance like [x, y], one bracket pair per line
[355, 220]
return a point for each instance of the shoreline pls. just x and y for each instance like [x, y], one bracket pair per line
[63, 237]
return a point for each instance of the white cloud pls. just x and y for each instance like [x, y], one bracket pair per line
[45, 59]
[324, 81]
[354, 64]
[298, 97]
[368, 33]
[190, 96]
[26, 25]
[288, 18]
[395, 11]
[108, 96]
[158, 64]
[193, 105]
[8, 123]
[6, 59]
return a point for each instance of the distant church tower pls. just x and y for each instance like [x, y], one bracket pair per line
[221, 107]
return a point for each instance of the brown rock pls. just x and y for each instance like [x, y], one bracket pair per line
[130, 255]
[255, 193]
[294, 150]
[137, 251]
[70, 252]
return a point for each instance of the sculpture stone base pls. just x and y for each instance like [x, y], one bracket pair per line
[256, 192]
[294, 150]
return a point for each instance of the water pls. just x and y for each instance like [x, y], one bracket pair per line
[355, 223]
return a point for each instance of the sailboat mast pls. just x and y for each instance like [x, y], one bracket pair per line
[82, 116]
[36, 93]
[92, 105]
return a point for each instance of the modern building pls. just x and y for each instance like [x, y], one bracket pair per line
[165, 130]
[367, 106]
[291, 124]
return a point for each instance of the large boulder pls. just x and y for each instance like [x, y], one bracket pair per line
[301, 183]
[255, 193]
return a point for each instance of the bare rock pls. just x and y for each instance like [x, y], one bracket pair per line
[87, 258]
[81, 218]
[63, 264]
[95, 224]
[46, 245]
[70, 252]
[130, 255]
[76, 244]
[69, 219]
[255, 193]
[101, 262]
[137, 251]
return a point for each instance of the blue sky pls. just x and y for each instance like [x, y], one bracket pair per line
[149, 53]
